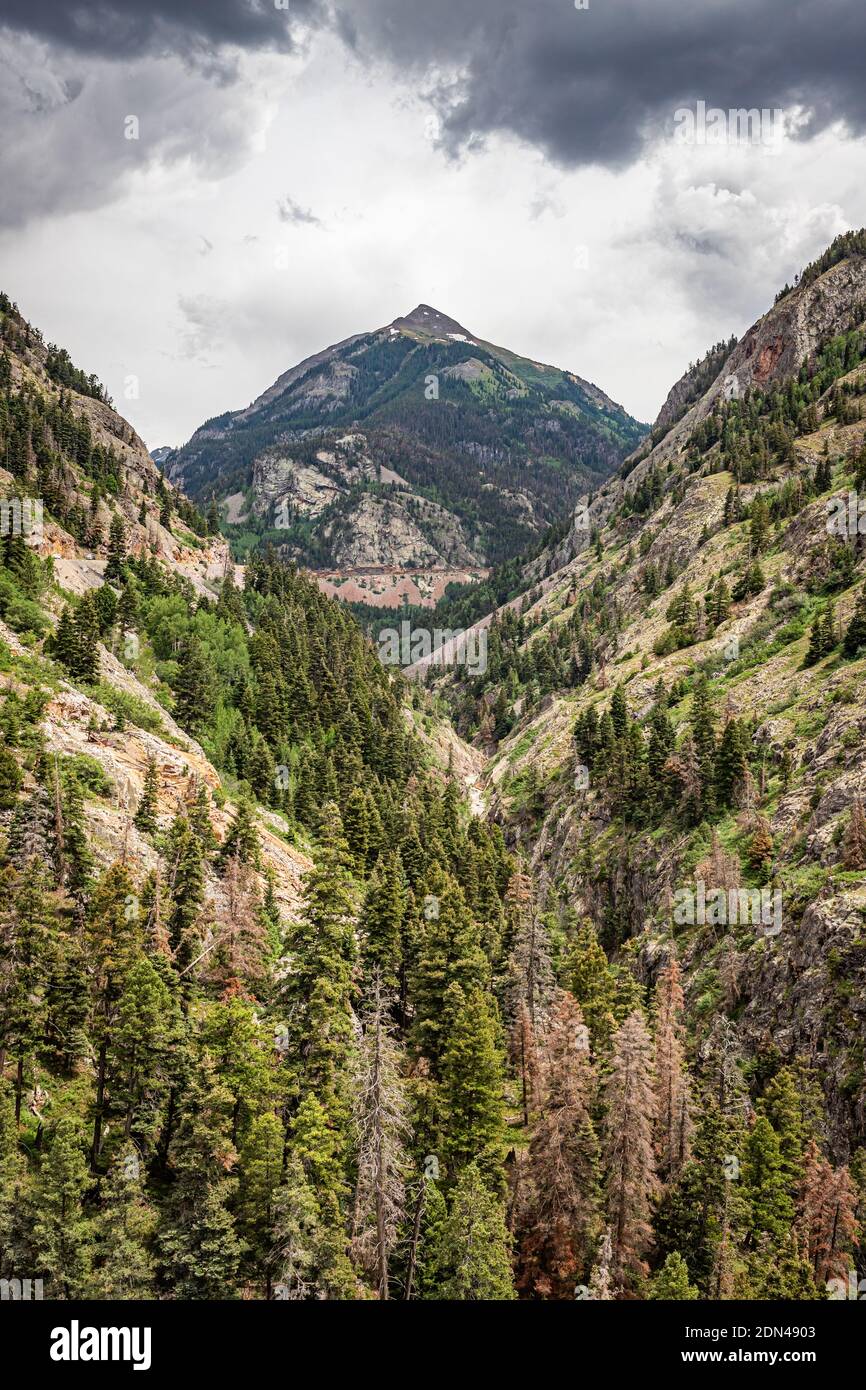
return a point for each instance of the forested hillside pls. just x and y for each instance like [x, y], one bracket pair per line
[673, 709]
[306, 995]
[253, 948]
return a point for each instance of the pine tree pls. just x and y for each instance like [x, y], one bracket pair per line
[593, 984]
[473, 1250]
[381, 1128]
[731, 764]
[815, 650]
[64, 645]
[61, 1232]
[619, 711]
[261, 1168]
[85, 623]
[198, 1244]
[295, 1234]
[472, 1110]
[356, 826]
[138, 1064]
[185, 861]
[448, 952]
[318, 990]
[76, 858]
[672, 1281]
[765, 1184]
[241, 841]
[193, 686]
[145, 815]
[628, 1148]
[381, 925]
[319, 1144]
[116, 566]
[530, 979]
[123, 1230]
[855, 634]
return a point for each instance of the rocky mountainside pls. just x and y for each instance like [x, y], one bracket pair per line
[399, 461]
[306, 992]
[675, 693]
[71, 453]
[227, 833]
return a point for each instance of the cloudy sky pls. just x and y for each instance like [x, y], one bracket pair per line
[196, 195]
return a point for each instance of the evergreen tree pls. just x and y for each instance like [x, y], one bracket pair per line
[199, 1248]
[318, 990]
[261, 1165]
[381, 1129]
[473, 1250]
[145, 815]
[593, 984]
[62, 1234]
[116, 566]
[765, 1184]
[855, 634]
[123, 1230]
[382, 918]
[671, 1283]
[448, 952]
[193, 686]
[472, 1112]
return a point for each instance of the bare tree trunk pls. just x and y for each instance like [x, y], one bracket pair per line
[19, 1086]
[416, 1233]
[100, 1105]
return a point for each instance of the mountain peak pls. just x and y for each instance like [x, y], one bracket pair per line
[431, 323]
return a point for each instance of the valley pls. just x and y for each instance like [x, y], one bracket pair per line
[333, 974]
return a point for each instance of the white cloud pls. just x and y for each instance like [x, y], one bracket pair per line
[190, 279]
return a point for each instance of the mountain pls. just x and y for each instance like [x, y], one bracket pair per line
[206, 776]
[310, 992]
[674, 705]
[399, 461]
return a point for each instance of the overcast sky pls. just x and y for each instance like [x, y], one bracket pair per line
[306, 173]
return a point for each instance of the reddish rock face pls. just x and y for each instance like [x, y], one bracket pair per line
[384, 588]
[766, 361]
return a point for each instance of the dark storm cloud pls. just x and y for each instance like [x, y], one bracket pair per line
[590, 85]
[583, 85]
[131, 28]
